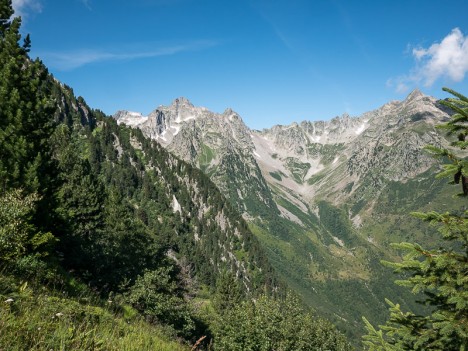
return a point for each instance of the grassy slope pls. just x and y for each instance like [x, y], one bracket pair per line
[45, 318]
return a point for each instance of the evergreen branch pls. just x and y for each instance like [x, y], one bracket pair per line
[458, 95]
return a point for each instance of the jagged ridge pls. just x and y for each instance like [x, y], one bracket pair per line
[311, 190]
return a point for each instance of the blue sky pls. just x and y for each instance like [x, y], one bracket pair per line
[272, 61]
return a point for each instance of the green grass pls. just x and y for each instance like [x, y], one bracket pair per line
[140, 155]
[206, 156]
[276, 175]
[316, 177]
[45, 319]
[298, 169]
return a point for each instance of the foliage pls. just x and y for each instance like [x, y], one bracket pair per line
[156, 295]
[268, 324]
[14, 228]
[25, 122]
[39, 318]
[228, 292]
[17, 235]
[336, 221]
[441, 274]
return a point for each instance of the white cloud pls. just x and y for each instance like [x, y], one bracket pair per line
[22, 7]
[445, 60]
[67, 61]
[448, 59]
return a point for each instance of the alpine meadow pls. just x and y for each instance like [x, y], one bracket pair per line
[184, 229]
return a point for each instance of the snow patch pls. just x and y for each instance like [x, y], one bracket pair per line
[361, 128]
[162, 135]
[132, 119]
[315, 167]
[315, 138]
[188, 118]
[135, 114]
[179, 119]
[177, 130]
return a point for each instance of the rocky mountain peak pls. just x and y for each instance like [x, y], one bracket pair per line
[129, 118]
[233, 116]
[229, 112]
[415, 94]
[182, 102]
[326, 178]
[417, 99]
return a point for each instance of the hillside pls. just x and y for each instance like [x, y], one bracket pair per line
[108, 241]
[325, 198]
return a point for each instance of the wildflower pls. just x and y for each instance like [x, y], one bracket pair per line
[10, 300]
[59, 314]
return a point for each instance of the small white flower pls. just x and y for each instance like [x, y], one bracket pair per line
[10, 300]
[60, 314]
[109, 301]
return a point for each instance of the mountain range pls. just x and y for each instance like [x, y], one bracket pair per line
[325, 198]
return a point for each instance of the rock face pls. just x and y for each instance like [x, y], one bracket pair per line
[218, 144]
[129, 118]
[286, 170]
[385, 144]
[324, 197]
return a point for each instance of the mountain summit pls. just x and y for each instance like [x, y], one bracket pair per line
[324, 197]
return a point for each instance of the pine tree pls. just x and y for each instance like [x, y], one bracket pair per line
[26, 121]
[228, 292]
[441, 275]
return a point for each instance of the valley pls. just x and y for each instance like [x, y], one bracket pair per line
[325, 198]
[185, 229]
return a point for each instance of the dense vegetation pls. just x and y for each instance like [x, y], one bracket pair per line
[108, 242]
[440, 275]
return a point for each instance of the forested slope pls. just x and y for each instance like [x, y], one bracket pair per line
[107, 241]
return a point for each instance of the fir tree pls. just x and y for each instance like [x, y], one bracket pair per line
[25, 111]
[441, 275]
[228, 292]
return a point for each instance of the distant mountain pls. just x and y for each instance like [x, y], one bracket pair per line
[336, 160]
[325, 198]
[219, 144]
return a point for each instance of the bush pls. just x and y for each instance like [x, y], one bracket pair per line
[156, 295]
[269, 324]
